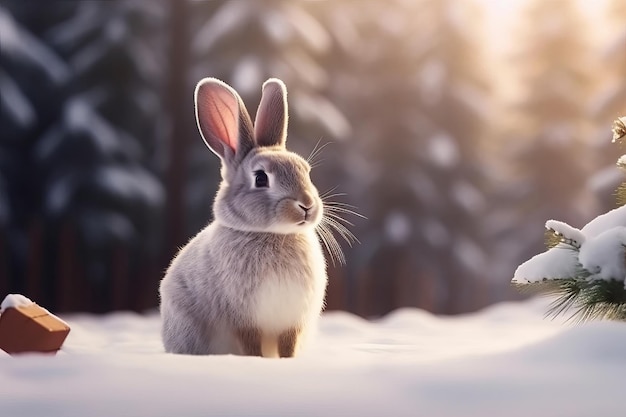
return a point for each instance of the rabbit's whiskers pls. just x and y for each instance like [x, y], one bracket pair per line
[332, 221]
[313, 158]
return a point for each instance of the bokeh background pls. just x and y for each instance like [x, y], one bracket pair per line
[457, 127]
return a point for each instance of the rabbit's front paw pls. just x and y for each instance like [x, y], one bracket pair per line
[250, 340]
[287, 342]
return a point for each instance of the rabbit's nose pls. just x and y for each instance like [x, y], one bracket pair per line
[306, 201]
[306, 210]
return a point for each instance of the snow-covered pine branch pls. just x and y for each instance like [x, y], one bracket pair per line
[569, 235]
[559, 262]
[586, 270]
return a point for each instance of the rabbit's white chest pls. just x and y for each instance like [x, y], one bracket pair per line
[290, 297]
[280, 304]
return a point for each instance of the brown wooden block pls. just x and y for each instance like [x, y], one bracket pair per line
[31, 329]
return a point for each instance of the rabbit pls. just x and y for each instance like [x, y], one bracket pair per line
[253, 281]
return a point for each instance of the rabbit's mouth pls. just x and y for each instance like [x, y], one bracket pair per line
[307, 218]
[292, 216]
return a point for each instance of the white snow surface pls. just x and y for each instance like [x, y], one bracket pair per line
[14, 301]
[504, 361]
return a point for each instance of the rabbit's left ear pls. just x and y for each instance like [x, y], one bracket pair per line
[223, 120]
[270, 125]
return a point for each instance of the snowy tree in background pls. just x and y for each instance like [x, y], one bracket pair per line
[546, 143]
[408, 74]
[100, 157]
[101, 163]
[585, 269]
[80, 118]
[612, 61]
[245, 43]
[611, 100]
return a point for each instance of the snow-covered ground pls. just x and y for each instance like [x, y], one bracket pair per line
[504, 361]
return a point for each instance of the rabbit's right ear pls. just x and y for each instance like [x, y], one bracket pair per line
[270, 125]
[223, 120]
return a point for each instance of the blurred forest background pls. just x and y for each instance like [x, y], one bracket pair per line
[455, 128]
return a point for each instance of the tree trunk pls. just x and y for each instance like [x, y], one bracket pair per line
[177, 96]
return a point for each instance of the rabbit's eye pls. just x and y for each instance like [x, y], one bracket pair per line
[261, 180]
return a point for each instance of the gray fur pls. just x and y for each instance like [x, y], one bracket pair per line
[256, 267]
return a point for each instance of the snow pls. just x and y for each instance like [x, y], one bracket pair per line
[506, 360]
[557, 263]
[21, 44]
[468, 196]
[432, 78]
[606, 179]
[276, 28]
[14, 301]
[469, 254]
[567, 231]
[442, 149]
[247, 75]
[309, 71]
[18, 300]
[130, 183]
[606, 221]
[603, 255]
[229, 16]
[310, 30]
[397, 227]
[601, 252]
[15, 103]
[323, 112]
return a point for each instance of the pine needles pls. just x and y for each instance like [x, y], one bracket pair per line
[619, 129]
[587, 299]
[621, 195]
[551, 239]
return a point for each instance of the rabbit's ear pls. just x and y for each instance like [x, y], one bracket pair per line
[223, 120]
[270, 125]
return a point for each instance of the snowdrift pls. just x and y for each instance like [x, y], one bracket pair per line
[504, 361]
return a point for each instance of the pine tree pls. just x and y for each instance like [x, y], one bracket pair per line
[244, 43]
[31, 75]
[414, 94]
[547, 135]
[81, 117]
[585, 269]
[610, 100]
